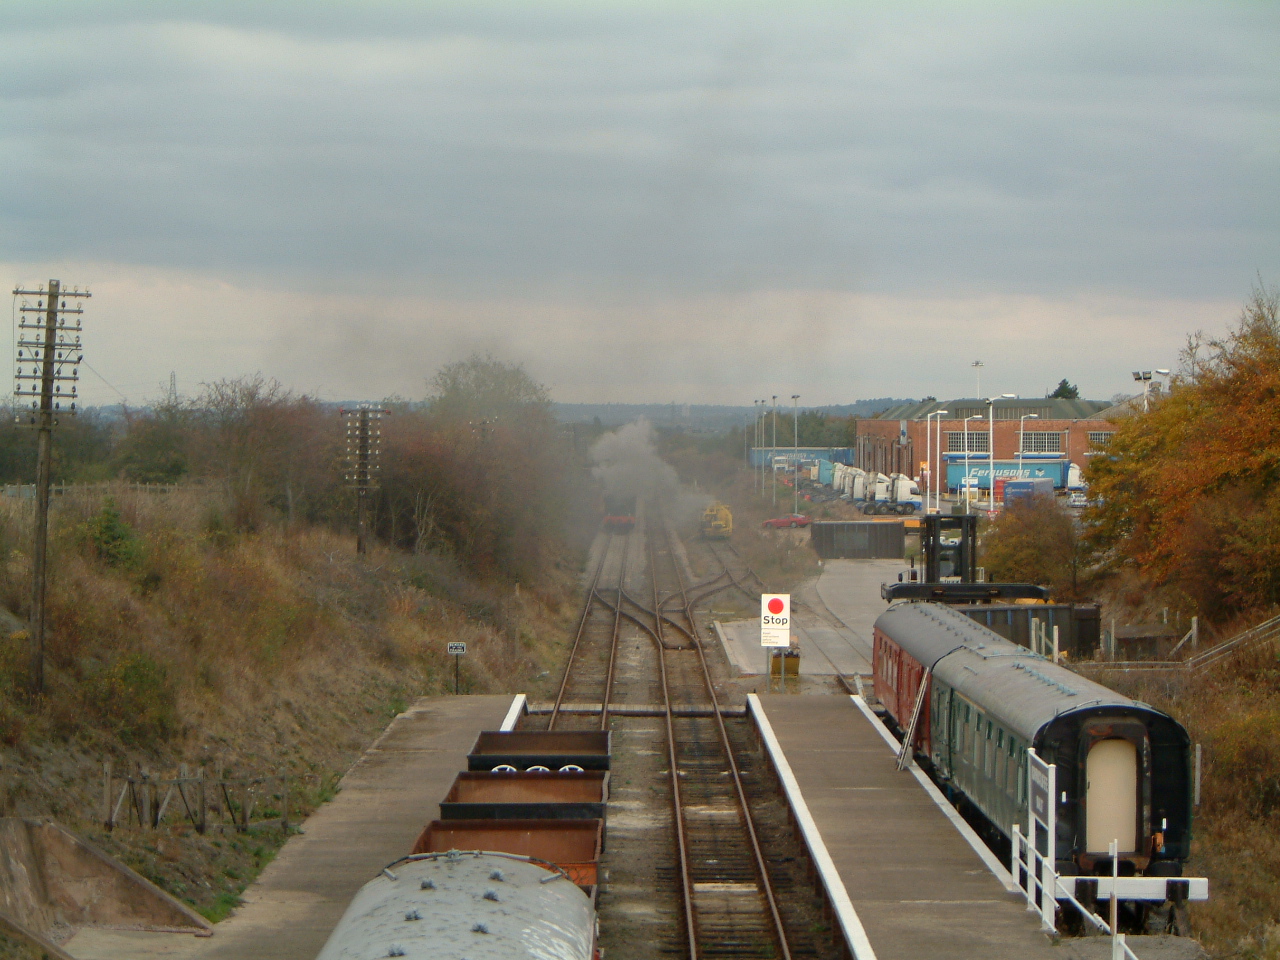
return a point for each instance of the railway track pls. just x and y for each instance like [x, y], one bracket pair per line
[701, 859]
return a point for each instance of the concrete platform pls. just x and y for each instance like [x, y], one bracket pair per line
[915, 889]
[386, 798]
[850, 589]
[823, 649]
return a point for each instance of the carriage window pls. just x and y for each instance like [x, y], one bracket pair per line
[988, 729]
[999, 738]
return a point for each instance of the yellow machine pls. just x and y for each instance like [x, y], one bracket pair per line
[717, 522]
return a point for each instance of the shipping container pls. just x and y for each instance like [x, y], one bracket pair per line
[859, 539]
[825, 472]
[1079, 624]
[789, 454]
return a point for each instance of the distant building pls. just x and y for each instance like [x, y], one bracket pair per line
[1062, 432]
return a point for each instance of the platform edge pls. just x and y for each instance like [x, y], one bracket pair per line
[854, 934]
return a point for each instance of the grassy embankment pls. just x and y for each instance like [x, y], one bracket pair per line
[1235, 715]
[174, 640]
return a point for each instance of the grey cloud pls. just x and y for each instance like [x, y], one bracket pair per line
[633, 150]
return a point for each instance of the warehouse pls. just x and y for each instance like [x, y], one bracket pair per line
[1031, 437]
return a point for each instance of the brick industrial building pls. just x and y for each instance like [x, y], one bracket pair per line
[1032, 437]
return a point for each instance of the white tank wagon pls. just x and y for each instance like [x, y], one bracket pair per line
[467, 905]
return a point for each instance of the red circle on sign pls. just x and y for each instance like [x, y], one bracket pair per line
[775, 605]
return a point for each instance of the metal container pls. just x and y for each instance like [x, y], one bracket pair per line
[527, 796]
[552, 749]
[572, 845]
[474, 906]
[859, 539]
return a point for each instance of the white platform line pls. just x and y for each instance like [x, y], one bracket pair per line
[854, 935]
[518, 706]
[997, 868]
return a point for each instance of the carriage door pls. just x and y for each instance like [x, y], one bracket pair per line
[1111, 798]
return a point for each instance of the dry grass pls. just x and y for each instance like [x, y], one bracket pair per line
[1235, 715]
[251, 654]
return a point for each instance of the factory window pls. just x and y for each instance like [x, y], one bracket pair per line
[1041, 441]
[1099, 438]
[977, 440]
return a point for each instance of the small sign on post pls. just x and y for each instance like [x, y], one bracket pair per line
[775, 623]
[457, 648]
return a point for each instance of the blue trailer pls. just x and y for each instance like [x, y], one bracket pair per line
[1015, 490]
[979, 471]
[826, 472]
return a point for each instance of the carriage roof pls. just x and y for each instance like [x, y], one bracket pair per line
[1023, 689]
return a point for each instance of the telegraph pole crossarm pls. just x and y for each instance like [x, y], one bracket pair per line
[46, 345]
[364, 444]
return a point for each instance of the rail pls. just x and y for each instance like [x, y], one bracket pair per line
[762, 870]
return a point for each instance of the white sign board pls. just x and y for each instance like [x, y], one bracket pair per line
[457, 648]
[775, 620]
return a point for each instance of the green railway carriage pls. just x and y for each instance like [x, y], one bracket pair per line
[1124, 768]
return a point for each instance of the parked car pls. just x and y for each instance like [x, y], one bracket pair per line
[1077, 500]
[790, 520]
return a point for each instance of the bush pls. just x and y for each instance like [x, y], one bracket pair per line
[134, 697]
[113, 541]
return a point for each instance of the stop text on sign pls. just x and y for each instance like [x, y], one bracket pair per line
[775, 620]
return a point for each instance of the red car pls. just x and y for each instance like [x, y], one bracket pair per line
[790, 520]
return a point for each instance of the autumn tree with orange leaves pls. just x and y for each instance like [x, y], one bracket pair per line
[1190, 491]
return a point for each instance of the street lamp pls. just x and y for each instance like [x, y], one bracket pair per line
[933, 479]
[795, 450]
[976, 416]
[977, 366]
[1144, 377]
[991, 446]
[772, 480]
[1022, 426]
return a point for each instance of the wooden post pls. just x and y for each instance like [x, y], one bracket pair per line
[284, 802]
[244, 806]
[144, 814]
[204, 805]
[106, 796]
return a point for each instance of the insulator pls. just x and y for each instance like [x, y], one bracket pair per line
[57, 406]
[73, 408]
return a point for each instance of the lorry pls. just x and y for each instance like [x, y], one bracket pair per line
[896, 493]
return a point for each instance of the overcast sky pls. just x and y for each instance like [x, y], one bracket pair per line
[642, 201]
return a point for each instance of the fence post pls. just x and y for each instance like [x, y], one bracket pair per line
[106, 796]
[204, 805]
[284, 802]
[144, 815]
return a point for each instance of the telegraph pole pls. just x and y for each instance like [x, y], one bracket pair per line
[46, 346]
[364, 442]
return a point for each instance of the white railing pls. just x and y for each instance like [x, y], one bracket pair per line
[1034, 870]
